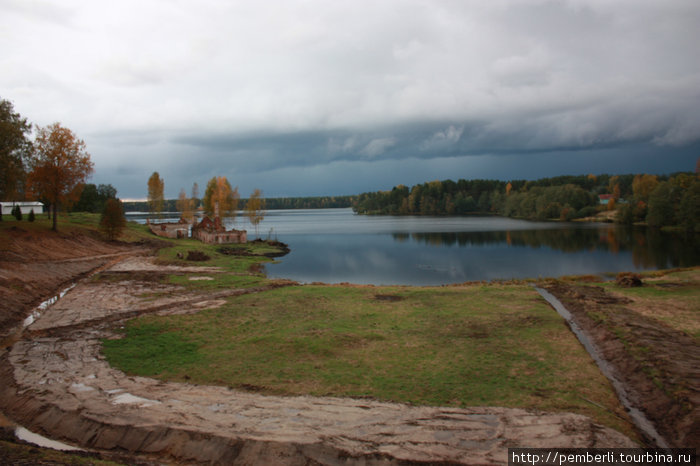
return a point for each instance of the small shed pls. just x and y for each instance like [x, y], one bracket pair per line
[25, 207]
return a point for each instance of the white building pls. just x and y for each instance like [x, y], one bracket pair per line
[25, 207]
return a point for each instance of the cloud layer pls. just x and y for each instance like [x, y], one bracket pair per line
[249, 90]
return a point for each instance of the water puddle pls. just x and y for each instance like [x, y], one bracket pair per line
[128, 398]
[36, 313]
[41, 441]
[638, 417]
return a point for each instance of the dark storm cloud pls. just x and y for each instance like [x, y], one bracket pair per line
[285, 90]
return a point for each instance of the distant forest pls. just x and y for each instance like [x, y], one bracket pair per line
[656, 200]
[274, 203]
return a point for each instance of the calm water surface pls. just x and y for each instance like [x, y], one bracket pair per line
[335, 245]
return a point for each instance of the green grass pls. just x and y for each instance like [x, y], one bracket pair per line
[493, 345]
[152, 350]
[237, 271]
[75, 222]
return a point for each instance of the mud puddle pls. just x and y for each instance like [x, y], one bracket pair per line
[35, 439]
[640, 420]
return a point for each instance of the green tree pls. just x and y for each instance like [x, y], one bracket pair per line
[60, 166]
[156, 186]
[689, 207]
[660, 207]
[93, 198]
[15, 151]
[112, 221]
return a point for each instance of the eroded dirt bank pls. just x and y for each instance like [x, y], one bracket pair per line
[56, 382]
[34, 266]
[659, 365]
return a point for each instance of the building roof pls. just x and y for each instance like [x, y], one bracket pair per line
[21, 203]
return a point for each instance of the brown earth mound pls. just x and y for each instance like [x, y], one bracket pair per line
[659, 365]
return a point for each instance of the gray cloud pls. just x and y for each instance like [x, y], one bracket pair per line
[249, 89]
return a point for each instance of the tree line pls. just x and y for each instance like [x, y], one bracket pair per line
[657, 200]
[271, 203]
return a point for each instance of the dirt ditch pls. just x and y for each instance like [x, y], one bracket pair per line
[659, 365]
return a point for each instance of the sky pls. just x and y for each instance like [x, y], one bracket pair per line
[317, 97]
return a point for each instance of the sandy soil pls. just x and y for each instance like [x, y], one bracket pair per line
[56, 382]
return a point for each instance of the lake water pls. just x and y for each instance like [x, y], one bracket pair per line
[336, 245]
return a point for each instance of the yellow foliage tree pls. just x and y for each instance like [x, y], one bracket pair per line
[60, 165]
[185, 206]
[219, 193]
[255, 209]
[156, 186]
[643, 185]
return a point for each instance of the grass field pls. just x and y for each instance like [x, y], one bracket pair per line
[474, 345]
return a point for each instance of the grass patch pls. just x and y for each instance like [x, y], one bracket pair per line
[493, 345]
[671, 297]
[75, 223]
[151, 349]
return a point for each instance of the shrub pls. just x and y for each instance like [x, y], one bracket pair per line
[197, 256]
[31, 216]
[588, 211]
[112, 221]
[17, 212]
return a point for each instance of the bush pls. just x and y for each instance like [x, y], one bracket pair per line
[17, 212]
[197, 256]
[588, 211]
[31, 216]
[112, 221]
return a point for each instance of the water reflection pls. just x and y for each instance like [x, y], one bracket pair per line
[649, 248]
[335, 245]
[451, 257]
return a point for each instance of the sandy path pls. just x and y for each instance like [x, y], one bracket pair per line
[59, 384]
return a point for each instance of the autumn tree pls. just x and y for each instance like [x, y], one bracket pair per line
[219, 193]
[15, 150]
[255, 209]
[643, 185]
[185, 206]
[113, 221]
[60, 165]
[195, 196]
[156, 186]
